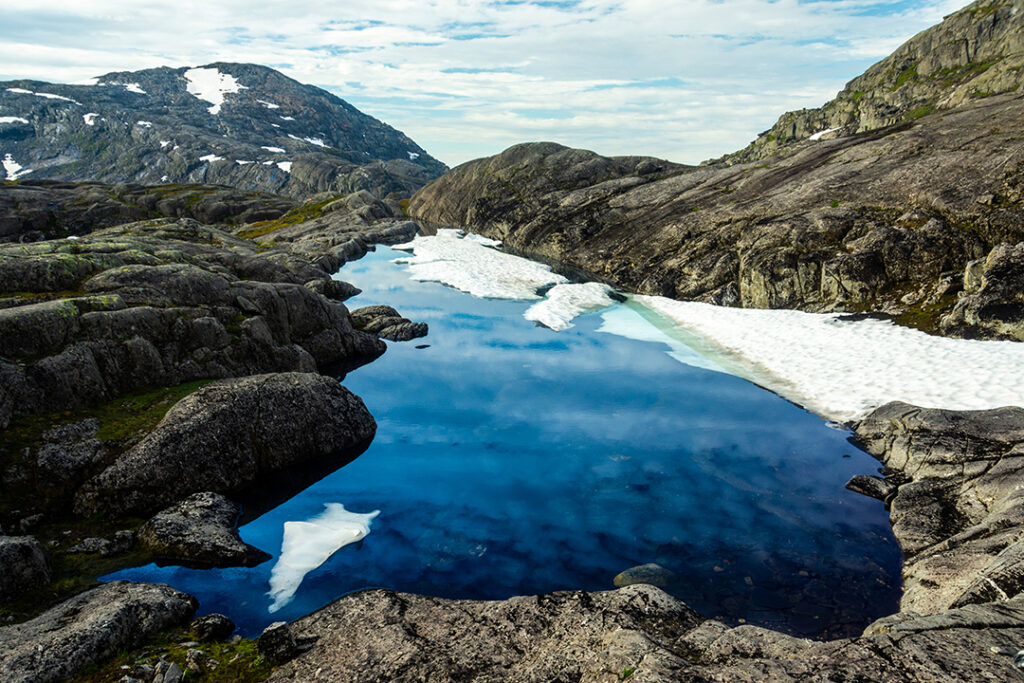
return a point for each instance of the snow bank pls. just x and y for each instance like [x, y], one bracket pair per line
[275, 150]
[307, 545]
[18, 119]
[144, 124]
[817, 136]
[211, 85]
[90, 118]
[49, 96]
[413, 156]
[563, 303]
[842, 369]
[285, 166]
[470, 266]
[13, 168]
[211, 158]
[269, 105]
[634, 322]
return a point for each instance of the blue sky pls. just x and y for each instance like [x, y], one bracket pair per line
[685, 81]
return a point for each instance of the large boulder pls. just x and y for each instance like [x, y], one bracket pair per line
[24, 565]
[229, 435]
[88, 629]
[199, 531]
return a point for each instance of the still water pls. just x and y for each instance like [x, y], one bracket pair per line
[511, 459]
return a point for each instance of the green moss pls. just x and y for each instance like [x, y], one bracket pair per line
[306, 212]
[237, 662]
[404, 203]
[926, 317]
[908, 74]
[923, 110]
[857, 95]
[835, 203]
[627, 673]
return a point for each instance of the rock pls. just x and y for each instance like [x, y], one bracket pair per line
[277, 644]
[200, 531]
[25, 564]
[144, 672]
[957, 510]
[212, 627]
[651, 573]
[386, 322]
[167, 672]
[289, 419]
[873, 487]
[87, 629]
[198, 661]
[994, 304]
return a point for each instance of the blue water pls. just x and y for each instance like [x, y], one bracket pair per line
[510, 459]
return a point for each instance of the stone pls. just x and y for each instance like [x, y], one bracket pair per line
[89, 628]
[198, 661]
[386, 322]
[167, 672]
[199, 531]
[651, 573]
[25, 564]
[212, 627]
[873, 487]
[277, 644]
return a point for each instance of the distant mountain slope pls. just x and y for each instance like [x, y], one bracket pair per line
[974, 53]
[241, 125]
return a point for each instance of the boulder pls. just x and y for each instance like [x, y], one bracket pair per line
[650, 573]
[277, 643]
[387, 323]
[199, 531]
[212, 627]
[24, 566]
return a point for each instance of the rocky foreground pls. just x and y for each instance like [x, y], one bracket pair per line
[906, 200]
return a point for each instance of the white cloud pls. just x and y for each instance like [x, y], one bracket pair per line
[466, 78]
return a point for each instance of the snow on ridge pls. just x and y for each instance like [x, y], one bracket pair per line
[211, 158]
[413, 156]
[12, 119]
[20, 91]
[308, 544]
[164, 143]
[563, 303]
[285, 166]
[269, 105]
[474, 268]
[211, 85]
[13, 169]
[87, 81]
[817, 136]
[144, 124]
[275, 150]
[90, 118]
[313, 141]
[49, 96]
[243, 162]
[843, 369]
[287, 118]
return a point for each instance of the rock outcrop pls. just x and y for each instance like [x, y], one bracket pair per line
[387, 323]
[199, 531]
[230, 435]
[24, 566]
[892, 219]
[957, 506]
[87, 629]
[257, 130]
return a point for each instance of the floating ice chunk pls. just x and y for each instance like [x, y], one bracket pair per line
[17, 119]
[211, 158]
[307, 545]
[413, 156]
[211, 85]
[471, 267]
[275, 150]
[285, 166]
[90, 118]
[817, 136]
[563, 303]
[269, 105]
[144, 124]
[13, 169]
[843, 369]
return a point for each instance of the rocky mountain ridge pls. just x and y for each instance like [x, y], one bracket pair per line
[241, 125]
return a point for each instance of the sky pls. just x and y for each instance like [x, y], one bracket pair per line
[684, 80]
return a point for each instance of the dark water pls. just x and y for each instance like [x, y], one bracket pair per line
[510, 459]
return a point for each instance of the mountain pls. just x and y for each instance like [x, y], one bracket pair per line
[919, 215]
[241, 125]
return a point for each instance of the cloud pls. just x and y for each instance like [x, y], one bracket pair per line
[685, 81]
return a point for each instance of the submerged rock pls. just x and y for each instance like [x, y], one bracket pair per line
[24, 566]
[87, 629]
[200, 530]
[230, 435]
[651, 573]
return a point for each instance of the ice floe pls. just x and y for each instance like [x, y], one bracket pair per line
[308, 544]
[474, 268]
[90, 118]
[211, 85]
[563, 303]
[13, 169]
[15, 119]
[285, 166]
[275, 150]
[842, 369]
[817, 136]
[211, 158]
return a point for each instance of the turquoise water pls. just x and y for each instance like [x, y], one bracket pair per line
[510, 459]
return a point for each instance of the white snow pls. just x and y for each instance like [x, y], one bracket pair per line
[242, 162]
[13, 168]
[49, 96]
[313, 141]
[307, 545]
[72, 237]
[480, 239]
[163, 179]
[413, 156]
[211, 158]
[87, 81]
[471, 267]
[817, 136]
[275, 150]
[275, 125]
[211, 85]
[268, 163]
[563, 303]
[133, 87]
[164, 143]
[13, 119]
[842, 369]
[287, 118]
[269, 105]
[631, 321]
[90, 118]
[20, 91]
[144, 124]
[285, 166]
